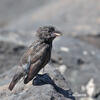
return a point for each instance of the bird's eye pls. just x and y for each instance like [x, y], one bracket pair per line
[51, 29]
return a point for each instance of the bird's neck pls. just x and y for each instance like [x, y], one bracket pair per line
[47, 42]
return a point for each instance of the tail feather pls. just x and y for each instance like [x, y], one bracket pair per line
[15, 79]
[12, 85]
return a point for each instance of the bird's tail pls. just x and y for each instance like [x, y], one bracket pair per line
[15, 79]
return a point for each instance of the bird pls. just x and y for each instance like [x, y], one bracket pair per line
[36, 56]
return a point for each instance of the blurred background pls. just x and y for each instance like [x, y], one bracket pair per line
[75, 56]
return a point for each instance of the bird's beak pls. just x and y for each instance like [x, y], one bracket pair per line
[57, 33]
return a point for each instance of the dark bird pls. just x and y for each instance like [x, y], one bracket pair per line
[36, 56]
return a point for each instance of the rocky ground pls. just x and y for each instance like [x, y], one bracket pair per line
[74, 69]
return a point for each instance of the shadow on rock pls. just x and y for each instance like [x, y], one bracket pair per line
[46, 79]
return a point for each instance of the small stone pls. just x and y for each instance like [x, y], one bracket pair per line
[85, 52]
[62, 68]
[65, 49]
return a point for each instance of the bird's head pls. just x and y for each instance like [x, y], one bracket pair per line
[47, 33]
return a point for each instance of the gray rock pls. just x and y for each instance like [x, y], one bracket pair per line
[80, 74]
[57, 91]
[75, 64]
[10, 54]
[82, 68]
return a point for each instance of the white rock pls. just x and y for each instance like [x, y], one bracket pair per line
[65, 49]
[62, 68]
[90, 88]
[85, 52]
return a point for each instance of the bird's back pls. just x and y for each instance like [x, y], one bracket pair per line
[40, 56]
[35, 51]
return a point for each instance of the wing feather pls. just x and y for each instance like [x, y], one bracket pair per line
[35, 67]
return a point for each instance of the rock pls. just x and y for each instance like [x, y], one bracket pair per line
[82, 66]
[10, 54]
[79, 72]
[91, 39]
[75, 60]
[38, 92]
[56, 87]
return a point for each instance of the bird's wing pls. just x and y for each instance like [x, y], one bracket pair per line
[30, 53]
[40, 60]
[31, 50]
[25, 61]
